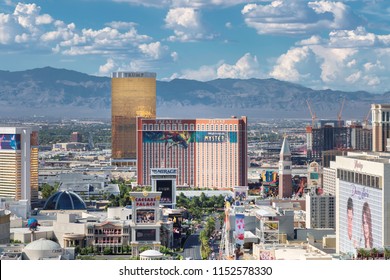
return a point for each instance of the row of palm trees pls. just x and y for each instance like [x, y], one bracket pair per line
[373, 254]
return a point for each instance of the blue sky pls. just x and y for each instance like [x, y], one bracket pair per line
[341, 45]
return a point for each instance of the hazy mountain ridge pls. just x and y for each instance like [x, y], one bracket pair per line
[60, 92]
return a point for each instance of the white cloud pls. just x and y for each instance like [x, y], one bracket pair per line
[107, 68]
[285, 69]
[353, 78]
[154, 50]
[186, 25]
[229, 25]
[175, 56]
[184, 3]
[246, 67]
[299, 17]
[43, 19]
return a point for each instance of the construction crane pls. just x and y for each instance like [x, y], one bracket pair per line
[313, 114]
[340, 112]
[365, 121]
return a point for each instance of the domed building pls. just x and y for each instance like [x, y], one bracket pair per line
[42, 249]
[65, 200]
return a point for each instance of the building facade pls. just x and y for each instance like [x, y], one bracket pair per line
[133, 94]
[380, 126]
[208, 153]
[363, 201]
[320, 211]
[19, 163]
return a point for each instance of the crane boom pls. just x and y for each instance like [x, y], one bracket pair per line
[340, 112]
[313, 114]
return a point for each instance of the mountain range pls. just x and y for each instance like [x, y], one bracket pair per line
[52, 92]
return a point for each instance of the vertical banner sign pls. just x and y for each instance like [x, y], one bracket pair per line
[240, 229]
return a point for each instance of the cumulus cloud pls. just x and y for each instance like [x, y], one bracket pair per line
[285, 68]
[107, 68]
[246, 67]
[154, 50]
[299, 17]
[186, 25]
[346, 59]
[184, 3]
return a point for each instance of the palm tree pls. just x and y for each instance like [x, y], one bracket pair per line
[374, 253]
[387, 253]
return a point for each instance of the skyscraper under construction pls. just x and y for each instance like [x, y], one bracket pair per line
[133, 94]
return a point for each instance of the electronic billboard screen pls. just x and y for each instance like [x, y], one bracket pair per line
[360, 217]
[145, 235]
[10, 142]
[166, 189]
[145, 216]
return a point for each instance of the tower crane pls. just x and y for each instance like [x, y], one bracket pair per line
[365, 121]
[313, 114]
[340, 112]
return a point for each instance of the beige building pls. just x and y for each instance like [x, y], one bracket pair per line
[380, 126]
[133, 94]
[19, 163]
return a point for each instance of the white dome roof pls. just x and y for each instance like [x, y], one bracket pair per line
[43, 245]
[151, 253]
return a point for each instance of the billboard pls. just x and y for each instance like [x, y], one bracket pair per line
[145, 216]
[360, 215]
[166, 189]
[170, 138]
[10, 142]
[145, 235]
[239, 233]
[216, 137]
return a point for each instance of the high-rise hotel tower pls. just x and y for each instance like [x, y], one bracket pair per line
[207, 153]
[19, 163]
[380, 126]
[133, 94]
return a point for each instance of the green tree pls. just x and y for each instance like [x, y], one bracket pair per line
[48, 190]
[107, 251]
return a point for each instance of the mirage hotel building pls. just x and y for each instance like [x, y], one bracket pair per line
[209, 153]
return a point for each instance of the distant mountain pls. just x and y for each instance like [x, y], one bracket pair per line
[63, 93]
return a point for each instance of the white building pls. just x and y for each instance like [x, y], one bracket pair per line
[363, 201]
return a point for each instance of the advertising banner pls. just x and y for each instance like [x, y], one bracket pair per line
[360, 217]
[216, 137]
[240, 229]
[170, 138]
[10, 142]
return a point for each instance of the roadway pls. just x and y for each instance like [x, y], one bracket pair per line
[192, 247]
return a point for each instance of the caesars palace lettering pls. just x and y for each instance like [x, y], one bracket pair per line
[145, 201]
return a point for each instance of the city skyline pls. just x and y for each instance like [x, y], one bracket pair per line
[342, 45]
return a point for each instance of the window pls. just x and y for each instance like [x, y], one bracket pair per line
[174, 127]
[150, 127]
[180, 126]
[191, 127]
[168, 127]
[162, 127]
[185, 127]
[144, 127]
[156, 127]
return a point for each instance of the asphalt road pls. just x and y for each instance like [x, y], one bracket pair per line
[192, 247]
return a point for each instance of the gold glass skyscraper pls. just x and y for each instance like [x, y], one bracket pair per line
[133, 94]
